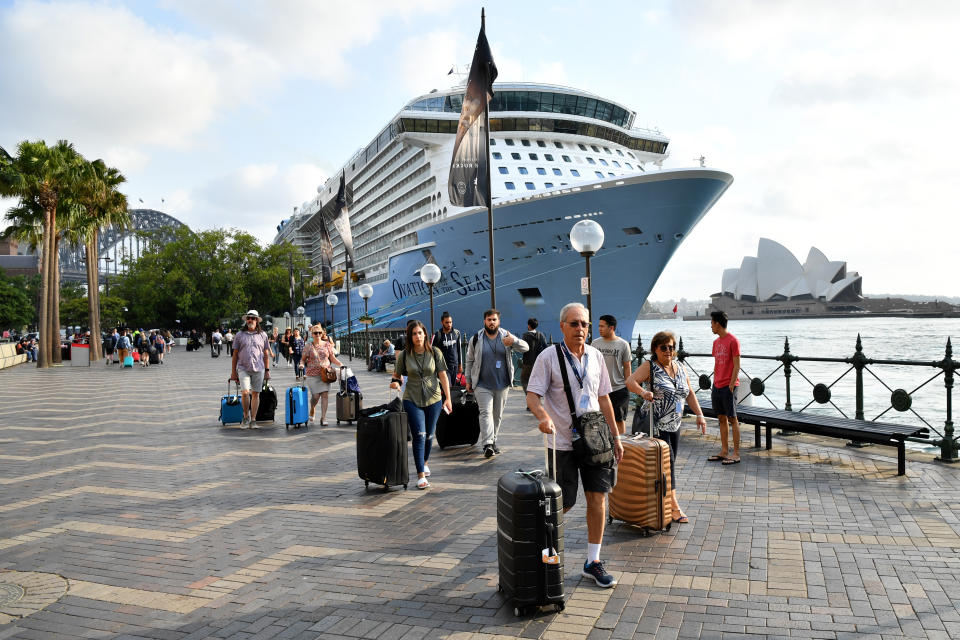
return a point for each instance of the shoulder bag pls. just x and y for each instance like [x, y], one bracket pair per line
[594, 446]
[327, 374]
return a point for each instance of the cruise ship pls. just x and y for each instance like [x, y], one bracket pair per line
[558, 155]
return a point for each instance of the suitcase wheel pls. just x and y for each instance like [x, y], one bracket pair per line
[518, 611]
[558, 607]
[338, 422]
[609, 519]
[404, 487]
[366, 484]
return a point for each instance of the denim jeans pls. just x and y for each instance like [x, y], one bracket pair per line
[276, 352]
[423, 422]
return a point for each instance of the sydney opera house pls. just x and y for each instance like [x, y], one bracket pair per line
[775, 284]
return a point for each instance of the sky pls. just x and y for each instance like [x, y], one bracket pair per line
[838, 120]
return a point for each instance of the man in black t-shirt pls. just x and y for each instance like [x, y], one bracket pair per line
[537, 342]
[448, 341]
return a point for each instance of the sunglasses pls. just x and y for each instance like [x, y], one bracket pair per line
[667, 347]
[579, 323]
[317, 333]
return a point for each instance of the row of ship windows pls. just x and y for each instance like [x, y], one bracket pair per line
[540, 125]
[510, 142]
[549, 157]
[549, 185]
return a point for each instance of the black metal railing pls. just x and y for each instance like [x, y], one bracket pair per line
[900, 400]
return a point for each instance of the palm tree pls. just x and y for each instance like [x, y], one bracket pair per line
[103, 205]
[41, 175]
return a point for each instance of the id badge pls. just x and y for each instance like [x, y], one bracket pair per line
[498, 364]
[583, 403]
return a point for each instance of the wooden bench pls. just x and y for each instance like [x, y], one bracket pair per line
[885, 433]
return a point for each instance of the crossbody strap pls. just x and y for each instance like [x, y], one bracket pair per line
[566, 384]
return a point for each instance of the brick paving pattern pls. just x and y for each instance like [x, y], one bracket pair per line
[126, 511]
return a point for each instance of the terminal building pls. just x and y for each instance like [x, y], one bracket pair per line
[774, 284]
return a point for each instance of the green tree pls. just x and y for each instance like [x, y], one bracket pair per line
[16, 307]
[101, 204]
[38, 176]
[202, 277]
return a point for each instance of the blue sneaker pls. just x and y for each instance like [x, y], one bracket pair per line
[596, 571]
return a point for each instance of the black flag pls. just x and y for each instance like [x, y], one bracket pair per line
[326, 253]
[341, 221]
[468, 185]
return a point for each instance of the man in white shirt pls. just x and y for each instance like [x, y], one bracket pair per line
[547, 400]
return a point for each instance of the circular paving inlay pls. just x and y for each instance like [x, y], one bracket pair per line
[10, 593]
[26, 592]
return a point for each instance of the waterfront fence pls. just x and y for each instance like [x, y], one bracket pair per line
[863, 369]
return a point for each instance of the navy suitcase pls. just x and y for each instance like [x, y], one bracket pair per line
[231, 407]
[296, 407]
[530, 540]
[382, 445]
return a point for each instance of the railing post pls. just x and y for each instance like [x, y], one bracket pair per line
[948, 446]
[787, 360]
[859, 361]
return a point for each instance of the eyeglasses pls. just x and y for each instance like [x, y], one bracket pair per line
[667, 347]
[579, 323]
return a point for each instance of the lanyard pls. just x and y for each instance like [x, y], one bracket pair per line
[573, 364]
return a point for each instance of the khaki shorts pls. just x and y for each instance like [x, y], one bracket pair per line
[250, 380]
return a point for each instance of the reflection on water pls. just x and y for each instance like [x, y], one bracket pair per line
[918, 339]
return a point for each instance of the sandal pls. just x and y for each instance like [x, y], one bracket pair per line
[716, 458]
[423, 483]
[682, 520]
[731, 461]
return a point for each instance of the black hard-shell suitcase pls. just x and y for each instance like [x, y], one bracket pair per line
[382, 445]
[155, 357]
[462, 426]
[530, 540]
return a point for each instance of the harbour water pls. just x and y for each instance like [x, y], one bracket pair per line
[917, 339]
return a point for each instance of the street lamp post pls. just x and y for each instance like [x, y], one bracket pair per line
[365, 292]
[107, 260]
[430, 274]
[301, 317]
[586, 238]
[332, 300]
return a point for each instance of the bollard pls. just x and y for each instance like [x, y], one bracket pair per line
[859, 361]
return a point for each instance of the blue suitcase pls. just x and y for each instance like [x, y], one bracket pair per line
[298, 399]
[231, 407]
[128, 362]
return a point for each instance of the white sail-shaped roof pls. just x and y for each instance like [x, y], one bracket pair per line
[775, 272]
[747, 278]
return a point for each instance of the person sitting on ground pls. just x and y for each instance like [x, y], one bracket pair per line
[671, 388]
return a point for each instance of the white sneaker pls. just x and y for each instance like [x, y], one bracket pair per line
[245, 423]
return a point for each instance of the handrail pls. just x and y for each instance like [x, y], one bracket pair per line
[901, 400]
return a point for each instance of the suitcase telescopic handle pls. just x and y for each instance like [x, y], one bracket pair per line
[546, 460]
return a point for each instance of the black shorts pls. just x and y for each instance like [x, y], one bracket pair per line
[620, 399]
[723, 402]
[595, 479]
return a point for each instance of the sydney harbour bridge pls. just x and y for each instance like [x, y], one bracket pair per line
[148, 229]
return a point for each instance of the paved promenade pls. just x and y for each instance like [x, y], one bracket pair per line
[126, 511]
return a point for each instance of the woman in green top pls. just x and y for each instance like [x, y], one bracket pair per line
[426, 373]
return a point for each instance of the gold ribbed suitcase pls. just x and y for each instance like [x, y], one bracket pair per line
[641, 496]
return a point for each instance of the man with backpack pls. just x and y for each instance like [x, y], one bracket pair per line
[537, 342]
[489, 373]
[448, 341]
[123, 346]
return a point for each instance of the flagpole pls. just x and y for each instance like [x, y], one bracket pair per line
[487, 195]
[349, 334]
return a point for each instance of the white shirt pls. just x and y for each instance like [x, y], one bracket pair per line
[547, 382]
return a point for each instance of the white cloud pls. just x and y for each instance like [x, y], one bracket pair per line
[424, 60]
[251, 197]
